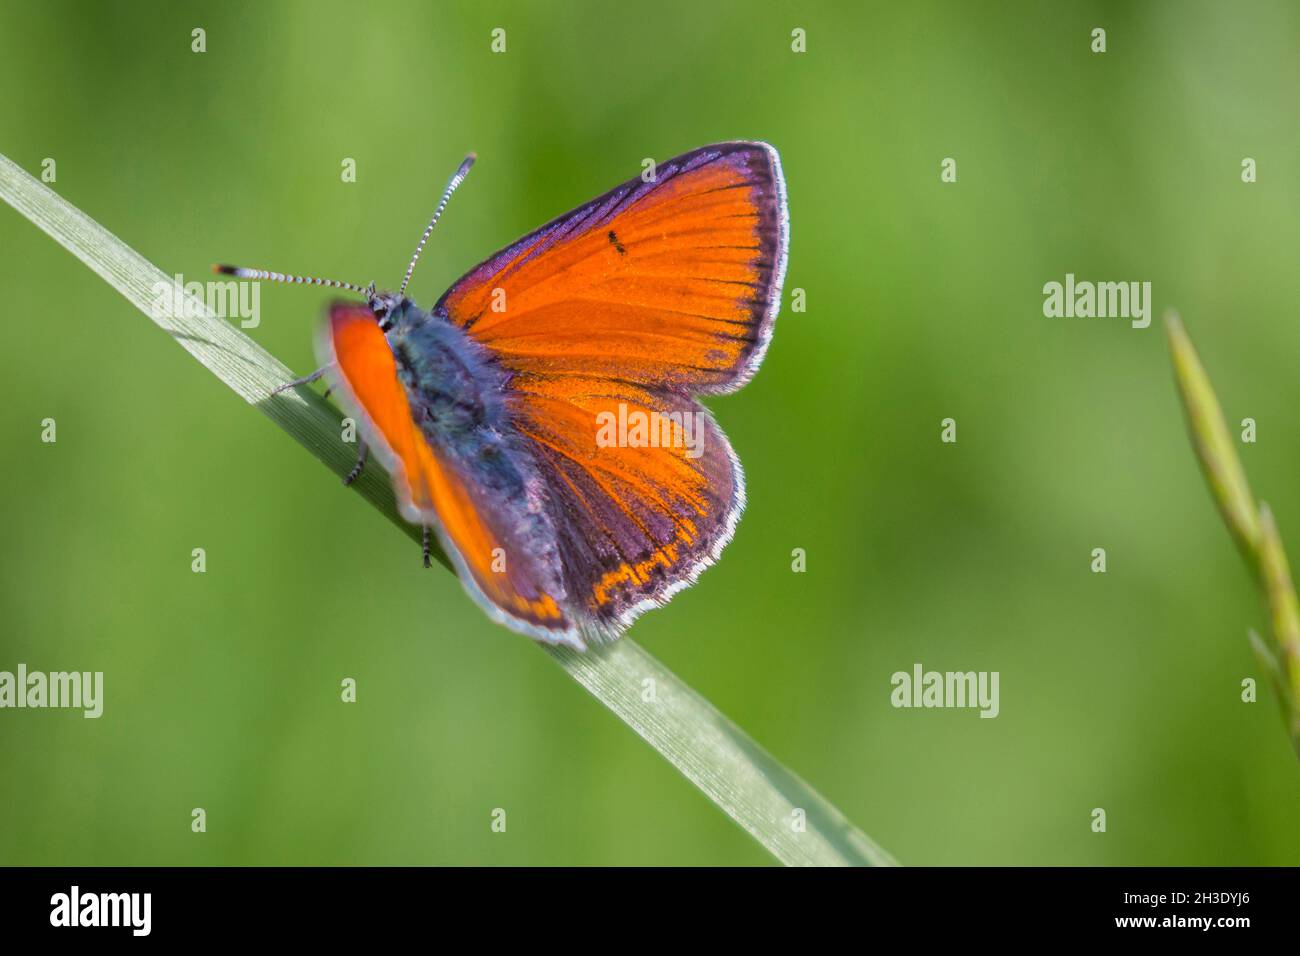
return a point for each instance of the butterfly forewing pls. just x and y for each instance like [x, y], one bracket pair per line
[670, 283]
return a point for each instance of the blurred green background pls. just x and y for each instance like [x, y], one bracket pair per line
[1118, 690]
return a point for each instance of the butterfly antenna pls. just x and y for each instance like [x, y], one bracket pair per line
[241, 273]
[457, 178]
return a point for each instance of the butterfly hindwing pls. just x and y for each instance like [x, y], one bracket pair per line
[645, 486]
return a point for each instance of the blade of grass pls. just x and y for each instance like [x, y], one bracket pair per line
[1285, 612]
[1213, 443]
[1251, 527]
[709, 750]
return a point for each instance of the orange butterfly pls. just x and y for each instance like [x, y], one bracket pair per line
[542, 419]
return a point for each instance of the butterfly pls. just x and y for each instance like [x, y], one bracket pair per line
[542, 418]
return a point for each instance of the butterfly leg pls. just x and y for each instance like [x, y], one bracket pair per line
[427, 543]
[305, 380]
[363, 451]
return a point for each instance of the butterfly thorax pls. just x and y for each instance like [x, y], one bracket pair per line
[453, 384]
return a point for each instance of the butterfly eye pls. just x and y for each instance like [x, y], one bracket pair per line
[382, 307]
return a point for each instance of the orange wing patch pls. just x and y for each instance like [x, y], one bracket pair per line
[647, 484]
[366, 365]
[672, 283]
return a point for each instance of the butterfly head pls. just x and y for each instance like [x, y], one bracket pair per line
[388, 307]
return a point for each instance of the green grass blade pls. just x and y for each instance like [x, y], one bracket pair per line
[1251, 527]
[1284, 608]
[1213, 442]
[710, 751]
[716, 755]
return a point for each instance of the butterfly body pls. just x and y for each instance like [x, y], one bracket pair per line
[457, 394]
[542, 418]
[452, 382]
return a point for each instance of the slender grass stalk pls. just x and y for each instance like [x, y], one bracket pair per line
[1285, 614]
[1253, 528]
[713, 753]
[1213, 443]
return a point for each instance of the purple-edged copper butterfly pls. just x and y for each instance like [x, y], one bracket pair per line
[542, 417]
